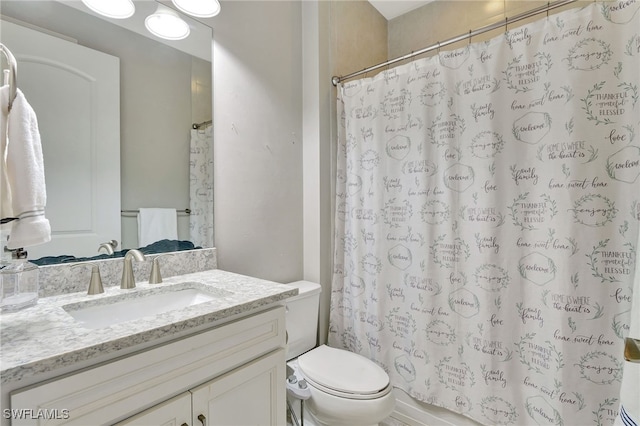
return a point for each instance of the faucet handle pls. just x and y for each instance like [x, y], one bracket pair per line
[95, 283]
[155, 277]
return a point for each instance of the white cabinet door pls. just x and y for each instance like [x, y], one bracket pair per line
[250, 395]
[174, 412]
[75, 93]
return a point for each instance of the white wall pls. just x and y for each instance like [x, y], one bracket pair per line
[274, 127]
[318, 128]
[258, 138]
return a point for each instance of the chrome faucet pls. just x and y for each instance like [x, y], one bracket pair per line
[109, 246]
[128, 280]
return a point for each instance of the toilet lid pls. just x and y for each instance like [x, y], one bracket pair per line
[343, 371]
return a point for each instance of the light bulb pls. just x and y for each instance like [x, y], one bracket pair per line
[117, 9]
[166, 23]
[198, 8]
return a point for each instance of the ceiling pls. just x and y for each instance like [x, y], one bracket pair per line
[393, 8]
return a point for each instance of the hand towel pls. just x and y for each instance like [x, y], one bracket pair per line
[24, 193]
[629, 412]
[156, 224]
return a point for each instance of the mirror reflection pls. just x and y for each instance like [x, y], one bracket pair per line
[116, 111]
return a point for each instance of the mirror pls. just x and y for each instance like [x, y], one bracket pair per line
[165, 87]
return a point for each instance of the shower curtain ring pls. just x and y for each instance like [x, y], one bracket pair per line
[548, 3]
[438, 48]
[506, 24]
[469, 37]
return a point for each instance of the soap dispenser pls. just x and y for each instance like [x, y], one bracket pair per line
[18, 280]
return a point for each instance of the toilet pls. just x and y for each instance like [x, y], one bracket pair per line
[337, 387]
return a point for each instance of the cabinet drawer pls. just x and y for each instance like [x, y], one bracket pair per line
[118, 389]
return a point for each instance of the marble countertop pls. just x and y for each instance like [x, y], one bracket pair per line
[45, 337]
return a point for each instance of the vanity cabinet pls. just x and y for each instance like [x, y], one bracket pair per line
[249, 395]
[233, 374]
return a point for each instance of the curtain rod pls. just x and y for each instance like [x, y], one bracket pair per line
[549, 6]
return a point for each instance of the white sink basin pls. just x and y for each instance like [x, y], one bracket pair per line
[139, 304]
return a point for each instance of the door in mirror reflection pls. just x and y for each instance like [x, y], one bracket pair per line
[75, 92]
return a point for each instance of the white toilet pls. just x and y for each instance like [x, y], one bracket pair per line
[339, 388]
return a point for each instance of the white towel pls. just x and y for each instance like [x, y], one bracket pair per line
[22, 186]
[629, 401]
[156, 224]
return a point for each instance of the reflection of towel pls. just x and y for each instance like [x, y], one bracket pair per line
[22, 185]
[157, 224]
[630, 389]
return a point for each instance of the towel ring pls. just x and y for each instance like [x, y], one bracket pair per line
[13, 66]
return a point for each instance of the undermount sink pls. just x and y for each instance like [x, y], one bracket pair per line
[120, 308]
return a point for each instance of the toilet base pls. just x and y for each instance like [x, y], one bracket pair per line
[301, 413]
[304, 416]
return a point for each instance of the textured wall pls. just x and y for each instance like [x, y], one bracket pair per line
[359, 36]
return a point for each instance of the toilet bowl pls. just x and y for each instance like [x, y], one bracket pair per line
[347, 389]
[337, 387]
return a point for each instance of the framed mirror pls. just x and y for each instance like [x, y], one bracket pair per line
[163, 89]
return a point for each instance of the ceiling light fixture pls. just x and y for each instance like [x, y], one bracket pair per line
[117, 9]
[198, 8]
[166, 23]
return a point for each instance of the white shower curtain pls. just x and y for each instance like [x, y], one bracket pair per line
[201, 187]
[488, 203]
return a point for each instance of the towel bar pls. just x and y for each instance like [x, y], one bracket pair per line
[185, 211]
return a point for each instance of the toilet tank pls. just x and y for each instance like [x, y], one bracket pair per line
[302, 318]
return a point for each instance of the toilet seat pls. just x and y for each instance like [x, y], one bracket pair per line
[344, 374]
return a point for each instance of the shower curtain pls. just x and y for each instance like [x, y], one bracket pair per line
[201, 187]
[487, 212]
